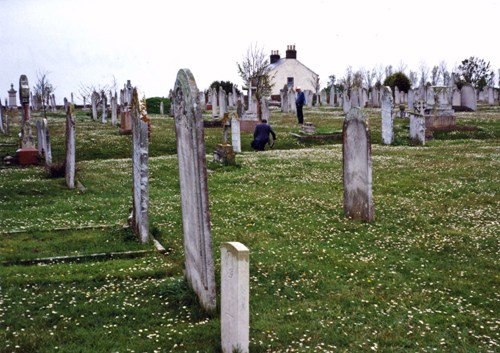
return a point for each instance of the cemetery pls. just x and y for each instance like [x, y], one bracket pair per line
[127, 231]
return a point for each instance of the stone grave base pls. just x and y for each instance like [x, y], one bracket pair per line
[435, 121]
[248, 125]
[224, 154]
[27, 156]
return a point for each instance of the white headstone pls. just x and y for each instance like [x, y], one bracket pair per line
[235, 134]
[387, 116]
[70, 145]
[235, 298]
[468, 97]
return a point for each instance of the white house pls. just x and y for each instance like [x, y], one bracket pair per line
[291, 72]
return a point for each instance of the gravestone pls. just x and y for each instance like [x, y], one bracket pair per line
[456, 98]
[357, 165]
[491, 96]
[285, 108]
[387, 116]
[2, 129]
[162, 109]
[265, 109]
[114, 109]
[12, 97]
[27, 154]
[332, 96]
[292, 108]
[440, 114]
[94, 97]
[417, 125]
[140, 178]
[309, 97]
[194, 189]
[104, 102]
[346, 104]
[222, 102]
[397, 96]
[224, 152]
[126, 101]
[411, 99]
[41, 140]
[70, 144]
[215, 106]
[354, 99]
[235, 131]
[48, 149]
[235, 297]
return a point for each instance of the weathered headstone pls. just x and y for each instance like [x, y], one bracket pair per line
[48, 148]
[235, 132]
[332, 96]
[357, 163]
[215, 106]
[162, 109]
[126, 101]
[346, 104]
[265, 109]
[27, 154]
[2, 129]
[70, 144]
[354, 99]
[12, 97]
[411, 98]
[417, 125]
[456, 98]
[140, 178]
[194, 189]
[387, 116]
[284, 100]
[235, 298]
[41, 141]
[104, 102]
[222, 102]
[94, 97]
[114, 109]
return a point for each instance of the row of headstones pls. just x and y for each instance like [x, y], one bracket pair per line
[100, 102]
[489, 95]
[220, 101]
[288, 96]
[358, 204]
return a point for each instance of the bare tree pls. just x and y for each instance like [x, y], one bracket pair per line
[413, 78]
[388, 71]
[256, 72]
[379, 74]
[42, 90]
[435, 75]
[86, 90]
[401, 67]
[424, 73]
[315, 82]
[368, 77]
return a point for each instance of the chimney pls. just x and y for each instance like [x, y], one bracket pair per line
[275, 56]
[291, 53]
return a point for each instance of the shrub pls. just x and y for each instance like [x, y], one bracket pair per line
[153, 105]
[399, 80]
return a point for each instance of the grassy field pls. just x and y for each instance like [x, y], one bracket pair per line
[424, 277]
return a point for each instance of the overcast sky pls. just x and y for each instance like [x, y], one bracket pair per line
[90, 42]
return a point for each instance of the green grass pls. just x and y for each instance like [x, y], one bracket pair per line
[423, 277]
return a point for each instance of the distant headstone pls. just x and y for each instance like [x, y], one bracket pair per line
[41, 141]
[114, 109]
[491, 96]
[346, 104]
[358, 200]
[417, 125]
[354, 99]
[162, 109]
[94, 98]
[140, 178]
[194, 189]
[235, 132]
[48, 148]
[332, 96]
[104, 102]
[126, 100]
[70, 144]
[284, 100]
[2, 128]
[215, 106]
[222, 102]
[265, 109]
[456, 98]
[12, 97]
[411, 98]
[235, 298]
[27, 154]
[387, 116]
[397, 96]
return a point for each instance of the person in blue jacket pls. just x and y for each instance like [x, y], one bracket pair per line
[300, 100]
[261, 135]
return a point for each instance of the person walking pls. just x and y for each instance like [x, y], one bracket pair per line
[261, 135]
[300, 100]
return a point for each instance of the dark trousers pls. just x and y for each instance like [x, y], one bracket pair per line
[300, 114]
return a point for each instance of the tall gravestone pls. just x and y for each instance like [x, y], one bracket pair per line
[265, 109]
[125, 100]
[194, 189]
[235, 298]
[387, 116]
[41, 141]
[140, 178]
[27, 154]
[94, 97]
[12, 97]
[104, 102]
[114, 109]
[284, 100]
[357, 165]
[215, 106]
[70, 144]
[2, 129]
[222, 102]
[236, 132]
[346, 104]
[417, 125]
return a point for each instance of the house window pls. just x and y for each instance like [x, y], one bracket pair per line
[289, 82]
